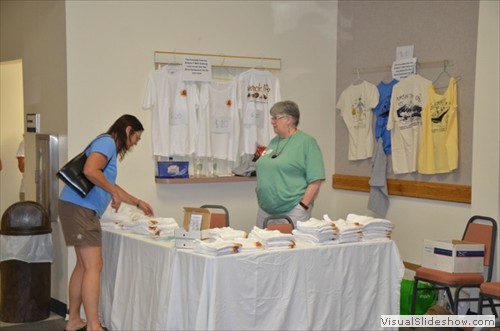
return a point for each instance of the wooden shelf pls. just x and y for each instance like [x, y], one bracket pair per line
[407, 188]
[204, 180]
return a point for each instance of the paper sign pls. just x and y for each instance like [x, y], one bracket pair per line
[195, 222]
[404, 68]
[404, 52]
[197, 69]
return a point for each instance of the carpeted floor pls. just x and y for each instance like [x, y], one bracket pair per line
[53, 323]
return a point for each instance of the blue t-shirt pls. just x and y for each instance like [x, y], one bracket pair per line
[282, 180]
[381, 112]
[97, 199]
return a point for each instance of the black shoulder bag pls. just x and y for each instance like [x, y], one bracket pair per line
[72, 173]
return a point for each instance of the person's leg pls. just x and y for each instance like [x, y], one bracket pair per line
[261, 216]
[91, 257]
[82, 229]
[75, 295]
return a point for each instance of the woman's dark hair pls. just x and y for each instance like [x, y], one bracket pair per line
[119, 132]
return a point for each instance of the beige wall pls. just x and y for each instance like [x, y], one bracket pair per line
[34, 32]
[11, 130]
[486, 146]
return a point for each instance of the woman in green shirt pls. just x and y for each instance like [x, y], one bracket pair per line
[291, 170]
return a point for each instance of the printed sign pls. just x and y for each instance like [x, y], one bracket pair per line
[404, 68]
[197, 69]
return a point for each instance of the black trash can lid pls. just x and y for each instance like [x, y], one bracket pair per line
[25, 218]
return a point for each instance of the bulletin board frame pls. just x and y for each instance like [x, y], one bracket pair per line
[367, 40]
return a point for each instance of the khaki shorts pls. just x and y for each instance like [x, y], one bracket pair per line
[81, 226]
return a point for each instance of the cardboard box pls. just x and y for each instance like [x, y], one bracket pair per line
[184, 243]
[455, 256]
[173, 169]
[196, 219]
[196, 225]
[183, 234]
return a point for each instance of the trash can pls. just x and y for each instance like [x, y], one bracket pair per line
[25, 261]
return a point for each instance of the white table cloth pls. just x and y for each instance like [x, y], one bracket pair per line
[150, 285]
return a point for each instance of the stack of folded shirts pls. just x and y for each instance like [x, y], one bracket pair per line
[248, 245]
[347, 232]
[115, 219]
[315, 231]
[373, 228]
[272, 239]
[215, 247]
[226, 233]
[154, 227]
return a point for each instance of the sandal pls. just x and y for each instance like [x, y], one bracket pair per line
[82, 328]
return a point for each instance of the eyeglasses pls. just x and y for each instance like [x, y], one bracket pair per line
[137, 137]
[277, 117]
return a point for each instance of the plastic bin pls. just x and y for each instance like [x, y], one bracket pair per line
[25, 262]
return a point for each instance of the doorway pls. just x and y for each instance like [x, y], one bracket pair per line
[11, 130]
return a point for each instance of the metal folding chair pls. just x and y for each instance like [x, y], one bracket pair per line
[282, 227]
[218, 220]
[479, 229]
[489, 291]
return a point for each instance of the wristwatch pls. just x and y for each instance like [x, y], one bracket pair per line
[306, 207]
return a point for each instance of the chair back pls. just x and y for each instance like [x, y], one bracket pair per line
[280, 226]
[218, 220]
[483, 230]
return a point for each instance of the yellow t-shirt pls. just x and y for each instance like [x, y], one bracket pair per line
[438, 151]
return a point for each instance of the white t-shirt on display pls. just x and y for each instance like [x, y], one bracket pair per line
[219, 121]
[356, 104]
[405, 122]
[258, 91]
[174, 103]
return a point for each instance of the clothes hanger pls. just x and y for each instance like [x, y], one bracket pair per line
[358, 79]
[445, 73]
[225, 75]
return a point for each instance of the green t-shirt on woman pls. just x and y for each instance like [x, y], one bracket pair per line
[285, 170]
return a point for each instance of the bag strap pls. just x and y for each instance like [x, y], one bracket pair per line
[99, 136]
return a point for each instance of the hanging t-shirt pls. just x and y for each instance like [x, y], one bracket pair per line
[382, 114]
[438, 151]
[173, 103]
[258, 91]
[219, 121]
[405, 122]
[355, 104]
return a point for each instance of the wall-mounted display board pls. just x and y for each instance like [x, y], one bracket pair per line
[220, 60]
[368, 34]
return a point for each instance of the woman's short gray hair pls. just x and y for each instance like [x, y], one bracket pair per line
[287, 107]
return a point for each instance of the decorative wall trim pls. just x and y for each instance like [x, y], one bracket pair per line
[407, 188]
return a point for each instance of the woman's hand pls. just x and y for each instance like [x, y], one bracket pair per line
[145, 207]
[116, 201]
